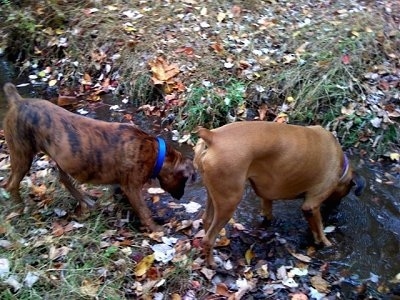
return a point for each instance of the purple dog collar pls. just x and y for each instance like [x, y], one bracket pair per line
[160, 158]
[345, 167]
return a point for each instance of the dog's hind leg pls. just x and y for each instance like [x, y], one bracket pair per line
[224, 203]
[208, 213]
[20, 165]
[65, 179]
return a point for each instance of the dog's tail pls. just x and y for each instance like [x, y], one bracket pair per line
[200, 149]
[12, 94]
[205, 134]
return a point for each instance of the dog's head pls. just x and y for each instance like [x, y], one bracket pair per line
[175, 173]
[352, 179]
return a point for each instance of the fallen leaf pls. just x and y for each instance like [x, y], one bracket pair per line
[298, 296]
[238, 226]
[89, 288]
[222, 242]
[301, 257]
[281, 118]
[262, 271]
[192, 207]
[217, 47]
[244, 286]
[208, 273]
[162, 70]
[221, 16]
[396, 279]
[329, 229]
[290, 282]
[52, 82]
[38, 191]
[13, 282]
[58, 229]
[394, 156]
[31, 278]
[189, 51]
[155, 190]
[222, 289]
[320, 284]
[249, 255]
[86, 80]
[144, 265]
[55, 253]
[4, 266]
[262, 111]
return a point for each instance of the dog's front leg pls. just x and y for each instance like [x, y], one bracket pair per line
[139, 206]
[83, 200]
[266, 210]
[313, 215]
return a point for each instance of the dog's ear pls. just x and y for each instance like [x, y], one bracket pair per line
[360, 184]
[188, 170]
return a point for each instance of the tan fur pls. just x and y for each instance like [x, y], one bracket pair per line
[281, 162]
[88, 150]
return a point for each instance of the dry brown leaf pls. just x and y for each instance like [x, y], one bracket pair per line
[223, 242]
[162, 70]
[55, 253]
[86, 80]
[298, 296]
[208, 273]
[39, 190]
[58, 229]
[262, 111]
[222, 289]
[301, 257]
[89, 288]
[217, 47]
[320, 284]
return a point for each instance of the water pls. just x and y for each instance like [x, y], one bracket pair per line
[367, 234]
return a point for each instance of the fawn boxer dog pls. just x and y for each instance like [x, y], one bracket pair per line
[90, 151]
[281, 161]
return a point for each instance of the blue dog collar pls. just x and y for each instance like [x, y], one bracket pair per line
[160, 158]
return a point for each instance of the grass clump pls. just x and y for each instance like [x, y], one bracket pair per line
[212, 106]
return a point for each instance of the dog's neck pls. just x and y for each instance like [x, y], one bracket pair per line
[162, 149]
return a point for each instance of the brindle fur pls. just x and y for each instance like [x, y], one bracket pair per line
[90, 151]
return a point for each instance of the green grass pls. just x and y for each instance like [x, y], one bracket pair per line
[212, 106]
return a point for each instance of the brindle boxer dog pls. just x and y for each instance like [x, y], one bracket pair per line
[90, 151]
[281, 162]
